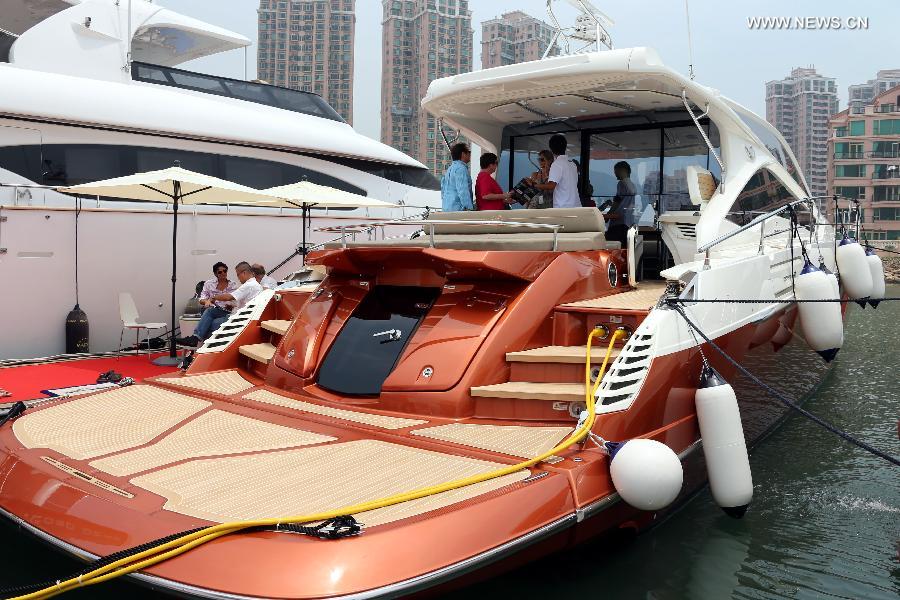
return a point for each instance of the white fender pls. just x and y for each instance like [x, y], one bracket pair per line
[854, 270]
[727, 462]
[832, 279]
[877, 270]
[647, 474]
[821, 323]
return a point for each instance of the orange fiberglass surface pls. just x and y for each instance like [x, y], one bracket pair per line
[406, 367]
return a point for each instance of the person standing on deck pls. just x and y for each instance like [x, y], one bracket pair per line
[456, 185]
[488, 193]
[621, 216]
[563, 177]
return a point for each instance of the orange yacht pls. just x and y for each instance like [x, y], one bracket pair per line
[417, 361]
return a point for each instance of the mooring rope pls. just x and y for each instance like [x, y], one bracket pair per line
[675, 301]
[792, 404]
[882, 249]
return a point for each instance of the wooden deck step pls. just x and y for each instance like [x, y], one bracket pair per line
[276, 326]
[259, 352]
[643, 297]
[524, 390]
[560, 354]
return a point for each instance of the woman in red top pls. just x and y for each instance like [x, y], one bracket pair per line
[488, 193]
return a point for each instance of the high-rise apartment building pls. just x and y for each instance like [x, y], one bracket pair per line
[422, 40]
[513, 38]
[799, 107]
[308, 45]
[862, 94]
[864, 162]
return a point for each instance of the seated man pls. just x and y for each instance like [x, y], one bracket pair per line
[267, 283]
[219, 284]
[209, 322]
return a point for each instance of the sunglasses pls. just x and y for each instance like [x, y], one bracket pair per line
[220, 271]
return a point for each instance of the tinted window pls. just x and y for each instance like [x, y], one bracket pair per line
[22, 160]
[60, 164]
[657, 154]
[684, 147]
[6, 42]
[763, 193]
[419, 177]
[270, 95]
[26, 161]
[641, 149]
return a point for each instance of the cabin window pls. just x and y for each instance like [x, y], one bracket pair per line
[684, 147]
[642, 151]
[6, 42]
[270, 95]
[62, 165]
[71, 164]
[658, 155]
[22, 160]
[522, 160]
[762, 193]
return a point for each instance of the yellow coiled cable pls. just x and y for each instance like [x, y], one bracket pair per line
[163, 552]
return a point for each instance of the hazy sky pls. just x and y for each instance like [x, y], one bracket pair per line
[728, 55]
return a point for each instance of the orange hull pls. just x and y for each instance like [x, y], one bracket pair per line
[487, 304]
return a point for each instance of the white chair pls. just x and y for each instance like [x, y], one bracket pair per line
[129, 314]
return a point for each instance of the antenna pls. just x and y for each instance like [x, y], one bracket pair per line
[589, 29]
[687, 16]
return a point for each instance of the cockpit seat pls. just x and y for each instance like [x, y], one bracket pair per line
[581, 229]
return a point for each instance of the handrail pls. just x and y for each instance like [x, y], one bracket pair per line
[430, 223]
[696, 120]
[761, 218]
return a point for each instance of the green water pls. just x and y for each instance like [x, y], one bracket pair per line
[824, 523]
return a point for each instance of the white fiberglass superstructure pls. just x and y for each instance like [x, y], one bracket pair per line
[709, 177]
[96, 93]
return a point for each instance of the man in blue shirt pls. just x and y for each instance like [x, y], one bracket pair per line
[456, 185]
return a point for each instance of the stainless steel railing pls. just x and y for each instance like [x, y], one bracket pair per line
[814, 222]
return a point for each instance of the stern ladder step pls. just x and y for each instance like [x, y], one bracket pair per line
[560, 354]
[276, 326]
[259, 352]
[525, 390]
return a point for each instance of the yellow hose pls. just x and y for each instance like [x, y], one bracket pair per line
[163, 552]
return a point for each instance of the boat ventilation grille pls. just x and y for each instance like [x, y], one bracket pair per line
[627, 373]
[236, 323]
[688, 230]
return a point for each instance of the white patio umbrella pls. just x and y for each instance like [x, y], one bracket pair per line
[178, 186]
[305, 195]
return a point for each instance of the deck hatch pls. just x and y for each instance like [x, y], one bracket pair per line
[373, 338]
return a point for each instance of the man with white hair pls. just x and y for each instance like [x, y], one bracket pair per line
[209, 322]
[267, 283]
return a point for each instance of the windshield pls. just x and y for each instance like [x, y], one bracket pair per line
[769, 139]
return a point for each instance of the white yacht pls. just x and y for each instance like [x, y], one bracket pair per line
[93, 92]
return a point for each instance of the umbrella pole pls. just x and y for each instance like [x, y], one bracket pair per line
[303, 252]
[172, 359]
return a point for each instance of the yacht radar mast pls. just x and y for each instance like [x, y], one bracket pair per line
[589, 34]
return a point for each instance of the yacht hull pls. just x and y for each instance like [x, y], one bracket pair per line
[472, 541]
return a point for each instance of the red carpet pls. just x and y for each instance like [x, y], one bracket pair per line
[25, 383]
